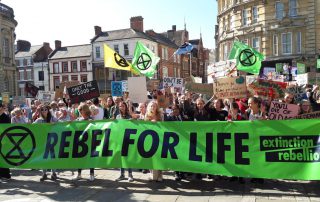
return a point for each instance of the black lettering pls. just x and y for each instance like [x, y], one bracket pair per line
[154, 143]
[209, 147]
[222, 147]
[80, 142]
[169, 147]
[64, 143]
[95, 142]
[193, 148]
[240, 148]
[50, 145]
[127, 141]
[105, 149]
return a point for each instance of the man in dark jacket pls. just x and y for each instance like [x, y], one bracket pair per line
[4, 118]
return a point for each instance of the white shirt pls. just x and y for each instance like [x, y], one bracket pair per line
[100, 114]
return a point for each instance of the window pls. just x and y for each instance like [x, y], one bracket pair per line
[286, 39]
[29, 62]
[55, 68]
[21, 75]
[293, 8]
[152, 49]
[126, 49]
[174, 72]
[256, 43]
[74, 66]
[56, 82]
[84, 78]
[225, 52]
[254, 14]
[41, 75]
[116, 48]
[275, 45]
[74, 77]
[178, 59]
[98, 53]
[174, 58]
[64, 66]
[299, 42]
[164, 72]
[83, 65]
[166, 57]
[224, 26]
[41, 87]
[65, 78]
[29, 76]
[5, 47]
[185, 65]
[244, 17]
[279, 10]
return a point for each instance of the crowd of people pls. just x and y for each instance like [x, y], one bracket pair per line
[185, 106]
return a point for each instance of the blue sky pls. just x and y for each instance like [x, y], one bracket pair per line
[72, 21]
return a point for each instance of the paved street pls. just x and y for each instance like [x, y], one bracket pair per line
[25, 186]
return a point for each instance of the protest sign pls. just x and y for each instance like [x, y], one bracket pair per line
[46, 96]
[125, 86]
[301, 68]
[312, 115]
[82, 92]
[31, 89]
[297, 91]
[163, 101]
[68, 84]
[5, 97]
[245, 149]
[267, 88]
[281, 111]
[250, 79]
[116, 88]
[137, 87]
[172, 82]
[18, 100]
[201, 88]
[279, 67]
[302, 79]
[153, 85]
[233, 87]
[308, 78]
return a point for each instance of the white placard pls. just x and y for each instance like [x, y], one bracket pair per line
[137, 87]
[172, 82]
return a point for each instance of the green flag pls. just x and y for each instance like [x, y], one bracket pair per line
[144, 61]
[301, 68]
[248, 59]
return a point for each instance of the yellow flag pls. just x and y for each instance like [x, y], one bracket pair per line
[113, 60]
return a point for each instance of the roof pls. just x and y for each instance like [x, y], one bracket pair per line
[71, 52]
[32, 51]
[120, 34]
[163, 40]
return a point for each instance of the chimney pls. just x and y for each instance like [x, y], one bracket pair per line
[150, 32]
[137, 23]
[97, 30]
[46, 44]
[174, 28]
[57, 44]
[23, 45]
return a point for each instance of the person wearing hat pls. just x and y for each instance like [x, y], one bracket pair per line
[4, 118]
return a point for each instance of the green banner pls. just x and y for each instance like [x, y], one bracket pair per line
[264, 149]
[301, 68]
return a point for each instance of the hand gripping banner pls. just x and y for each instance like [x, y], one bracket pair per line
[286, 149]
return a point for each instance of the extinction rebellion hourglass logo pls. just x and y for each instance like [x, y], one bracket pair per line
[17, 145]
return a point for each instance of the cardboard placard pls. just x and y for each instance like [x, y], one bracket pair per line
[82, 92]
[267, 88]
[172, 82]
[281, 111]
[137, 87]
[116, 88]
[153, 85]
[201, 88]
[232, 87]
[5, 97]
[68, 84]
[46, 96]
[125, 86]
[298, 92]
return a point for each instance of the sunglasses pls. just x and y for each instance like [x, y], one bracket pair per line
[44, 109]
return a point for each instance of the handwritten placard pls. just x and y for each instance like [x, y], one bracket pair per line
[201, 88]
[281, 111]
[172, 82]
[82, 92]
[312, 115]
[234, 87]
[267, 89]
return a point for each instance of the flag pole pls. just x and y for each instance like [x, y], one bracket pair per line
[190, 64]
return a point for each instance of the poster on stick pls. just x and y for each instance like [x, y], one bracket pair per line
[116, 88]
[267, 89]
[233, 87]
[82, 92]
[172, 82]
[137, 87]
[281, 111]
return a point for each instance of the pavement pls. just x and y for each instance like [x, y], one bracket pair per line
[25, 186]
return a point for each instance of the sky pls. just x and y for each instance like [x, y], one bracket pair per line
[72, 21]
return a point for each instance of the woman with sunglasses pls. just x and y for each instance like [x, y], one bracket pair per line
[46, 117]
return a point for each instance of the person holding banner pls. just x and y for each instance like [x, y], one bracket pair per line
[154, 114]
[45, 116]
[4, 118]
[85, 116]
[124, 114]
